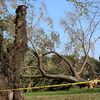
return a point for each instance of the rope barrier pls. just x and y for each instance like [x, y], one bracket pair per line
[50, 86]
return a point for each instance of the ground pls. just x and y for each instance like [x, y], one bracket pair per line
[75, 94]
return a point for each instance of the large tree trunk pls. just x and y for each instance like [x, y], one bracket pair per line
[10, 63]
[3, 95]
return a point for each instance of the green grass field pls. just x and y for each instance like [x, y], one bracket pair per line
[73, 94]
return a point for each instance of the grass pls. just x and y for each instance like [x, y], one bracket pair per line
[73, 94]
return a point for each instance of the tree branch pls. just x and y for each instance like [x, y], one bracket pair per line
[66, 60]
[33, 46]
[32, 76]
[83, 65]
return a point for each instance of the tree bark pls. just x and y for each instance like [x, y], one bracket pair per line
[3, 95]
[20, 47]
[10, 63]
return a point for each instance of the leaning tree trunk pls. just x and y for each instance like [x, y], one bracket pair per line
[10, 63]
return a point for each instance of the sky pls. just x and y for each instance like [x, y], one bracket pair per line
[56, 9]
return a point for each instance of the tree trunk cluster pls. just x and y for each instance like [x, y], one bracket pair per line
[10, 61]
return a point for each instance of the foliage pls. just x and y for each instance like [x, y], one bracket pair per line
[91, 69]
[86, 7]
